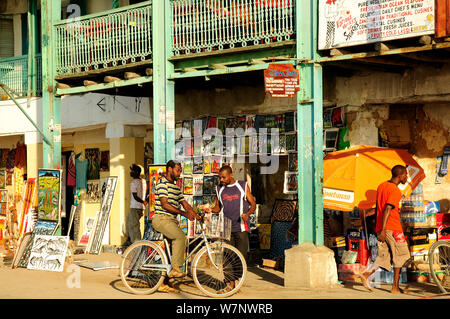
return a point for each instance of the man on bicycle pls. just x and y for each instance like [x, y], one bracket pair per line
[168, 198]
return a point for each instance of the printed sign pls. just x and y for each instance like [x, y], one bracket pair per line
[345, 23]
[281, 80]
[338, 195]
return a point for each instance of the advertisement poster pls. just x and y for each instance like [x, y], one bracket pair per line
[344, 23]
[49, 194]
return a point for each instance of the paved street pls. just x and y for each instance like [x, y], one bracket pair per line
[106, 284]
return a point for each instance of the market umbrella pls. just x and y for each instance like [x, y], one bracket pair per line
[351, 177]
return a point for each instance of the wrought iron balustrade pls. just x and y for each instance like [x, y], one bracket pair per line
[207, 25]
[14, 74]
[107, 39]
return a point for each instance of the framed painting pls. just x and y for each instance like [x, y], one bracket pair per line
[49, 194]
[155, 172]
[2, 178]
[93, 191]
[290, 182]
[104, 161]
[93, 157]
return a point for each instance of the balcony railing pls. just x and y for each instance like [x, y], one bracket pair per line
[104, 40]
[14, 74]
[207, 25]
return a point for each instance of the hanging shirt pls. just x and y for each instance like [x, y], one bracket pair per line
[233, 201]
[81, 168]
[71, 175]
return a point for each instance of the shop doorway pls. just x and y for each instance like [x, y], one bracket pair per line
[69, 198]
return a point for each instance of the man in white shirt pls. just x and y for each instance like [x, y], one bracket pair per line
[138, 203]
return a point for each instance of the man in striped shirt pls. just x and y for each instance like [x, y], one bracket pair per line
[167, 206]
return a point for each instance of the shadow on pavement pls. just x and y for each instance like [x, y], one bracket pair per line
[267, 276]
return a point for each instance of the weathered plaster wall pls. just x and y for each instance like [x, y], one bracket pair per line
[369, 97]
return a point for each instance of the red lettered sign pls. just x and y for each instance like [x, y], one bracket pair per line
[282, 80]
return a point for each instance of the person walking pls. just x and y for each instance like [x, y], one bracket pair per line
[391, 242]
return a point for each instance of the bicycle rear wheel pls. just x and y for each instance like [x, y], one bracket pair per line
[439, 254]
[133, 272]
[216, 282]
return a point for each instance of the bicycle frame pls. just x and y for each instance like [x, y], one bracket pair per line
[204, 240]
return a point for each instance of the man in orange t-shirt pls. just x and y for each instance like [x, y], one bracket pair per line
[391, 243]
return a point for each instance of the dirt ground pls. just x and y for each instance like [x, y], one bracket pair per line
[261, 283]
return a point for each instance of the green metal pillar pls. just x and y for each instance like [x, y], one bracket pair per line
[51, 105]
[170, 85]
[163, 89]
[115, 4]
[32, 46]
[309, 126]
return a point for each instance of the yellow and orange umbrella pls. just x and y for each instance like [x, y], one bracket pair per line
[351, 177]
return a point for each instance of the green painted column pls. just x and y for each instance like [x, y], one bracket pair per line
[163, 89]
[309, 126]
[32, 46]
[115, 4]
[51, 105]
[170, 85]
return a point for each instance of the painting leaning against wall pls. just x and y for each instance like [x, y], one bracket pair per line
[49, 194]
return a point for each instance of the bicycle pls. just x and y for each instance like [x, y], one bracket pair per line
[215, 265]
[439, 254]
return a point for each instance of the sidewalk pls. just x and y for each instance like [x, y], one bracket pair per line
[106, 284]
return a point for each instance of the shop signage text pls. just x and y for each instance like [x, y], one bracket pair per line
[282, 80]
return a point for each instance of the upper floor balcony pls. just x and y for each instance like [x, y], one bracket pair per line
[123, 37]
[14, 75]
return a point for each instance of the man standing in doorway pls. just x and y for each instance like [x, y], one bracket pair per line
[238, 203]
[391, 243]
[138, 203]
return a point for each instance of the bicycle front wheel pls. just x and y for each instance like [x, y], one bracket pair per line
[439, 254]
[135, 270]
[215, 276]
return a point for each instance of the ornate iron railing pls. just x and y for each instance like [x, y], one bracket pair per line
[108, 39]
[14, 74]
[207, 25]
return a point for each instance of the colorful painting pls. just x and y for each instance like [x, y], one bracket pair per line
[292, 162]
[284, 210]
[188, 186]
[93, 191]
[281, 147]
[187, 167]
[198, 146]
[197, 165]
[198, 200]
[104, 161]
[93, 157]
[250, 122]
[155, 172]
[280, 122]
[2, 230]
[3, 196]
[2, 178]
[178, 131]
[198, 185]
[208, 185]
[89, 226]
[3, 209]
[49, 194]
[216, 162]
[48, 253]
[186, 129]
[291, 142]
[188, 147]
[9, 178]
[290, 182]
[206, 166]
[28, 203]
